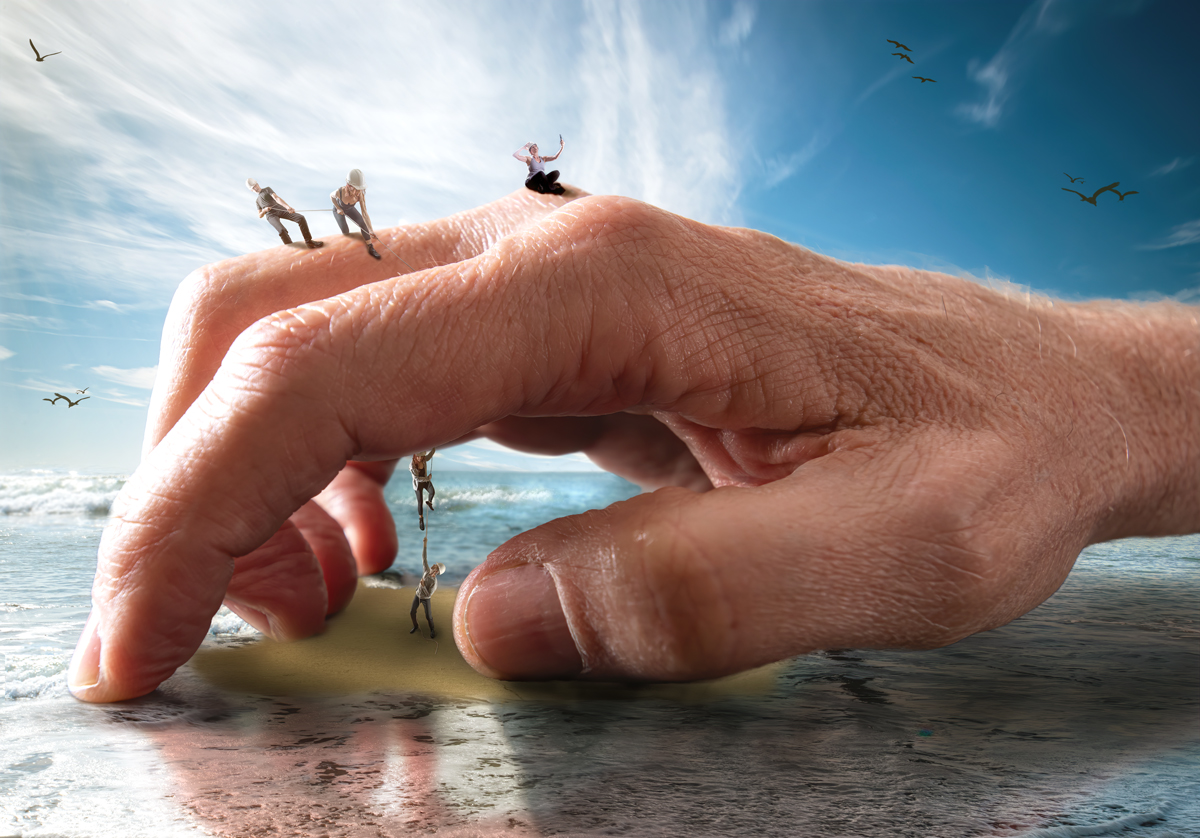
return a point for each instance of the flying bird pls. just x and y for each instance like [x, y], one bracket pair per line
[77, 401]
[1073, 179]
[898, 45]
[41, 57]
[85, 389]
[1122, 197]
[905, 57]
[923, 80]
[55, 399]
[1092, 200]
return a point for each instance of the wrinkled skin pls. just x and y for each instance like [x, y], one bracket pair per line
[844, 455]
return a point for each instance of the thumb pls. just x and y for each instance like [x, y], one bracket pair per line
[850, 551]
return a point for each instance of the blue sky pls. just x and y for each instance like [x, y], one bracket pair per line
[122, 160]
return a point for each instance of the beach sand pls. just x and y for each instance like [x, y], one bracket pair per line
[367, 648]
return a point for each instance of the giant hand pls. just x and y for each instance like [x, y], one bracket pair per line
[901, 458]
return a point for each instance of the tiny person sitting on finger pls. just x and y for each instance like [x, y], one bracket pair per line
[538, 180]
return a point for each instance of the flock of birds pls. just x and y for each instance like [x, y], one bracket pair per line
[1112, 187]
[67, 399]
[904, 55]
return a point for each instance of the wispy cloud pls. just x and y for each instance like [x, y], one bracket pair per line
[652, 110]
[98, 305]
[1174, 166]
[124, 398]
[1180, 235]
[140, 377]
[736, 28]
[6, 353]
[780, 168]
[159, 148]
[9, 318]
[1043, 20]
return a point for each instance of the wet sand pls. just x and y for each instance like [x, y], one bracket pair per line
[367, 648]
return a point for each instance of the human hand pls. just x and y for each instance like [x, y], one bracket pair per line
[901, 458]
[347, 530]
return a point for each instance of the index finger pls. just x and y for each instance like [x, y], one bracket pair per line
[219, 301]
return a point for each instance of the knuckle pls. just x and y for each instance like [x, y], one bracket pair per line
[288, 346]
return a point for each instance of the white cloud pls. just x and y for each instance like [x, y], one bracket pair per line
[652, 111]
[6, 353]
[29, 320]
[140, 377]
[1181, 234]
[1042, 20]
[779, 169]
[105, 304]
[1175, 165]
[430, 103]
[737, 27]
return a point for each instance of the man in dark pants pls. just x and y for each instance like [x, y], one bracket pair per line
[425, 589]
[274, 208]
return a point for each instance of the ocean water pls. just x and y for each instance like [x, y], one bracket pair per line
[1080, 719]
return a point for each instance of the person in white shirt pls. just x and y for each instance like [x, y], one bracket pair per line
[538, 180]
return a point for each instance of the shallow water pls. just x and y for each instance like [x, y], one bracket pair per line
[1078, 719]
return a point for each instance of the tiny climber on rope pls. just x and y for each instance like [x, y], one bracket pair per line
[425, 589]
[274, 208]
[344, 198]
[422, 475]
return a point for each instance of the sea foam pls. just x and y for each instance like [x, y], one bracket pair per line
[44, 492]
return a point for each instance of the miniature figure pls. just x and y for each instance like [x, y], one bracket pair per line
[538, 180]
[274, 208]
[425, 589]
[422, 475]
[344, 198]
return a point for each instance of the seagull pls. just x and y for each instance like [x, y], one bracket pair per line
[41, 57]
[85, 389]
[1122, 197]
[923, 80]
[77, 401]
[1092, 200]
[1073, 179]
[55, 399]
[898, 45]
[902, 55]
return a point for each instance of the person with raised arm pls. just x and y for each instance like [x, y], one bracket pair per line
[538, 180]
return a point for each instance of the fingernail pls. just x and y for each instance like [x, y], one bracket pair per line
[84, 671]
[516, 626]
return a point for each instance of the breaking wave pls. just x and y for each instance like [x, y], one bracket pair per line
[46, 492]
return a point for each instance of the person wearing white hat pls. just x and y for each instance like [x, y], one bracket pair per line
[274, 208]
[425, 589]
[538, 180]
[344, 198]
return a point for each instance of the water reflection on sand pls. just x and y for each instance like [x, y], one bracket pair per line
[1059, 719]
